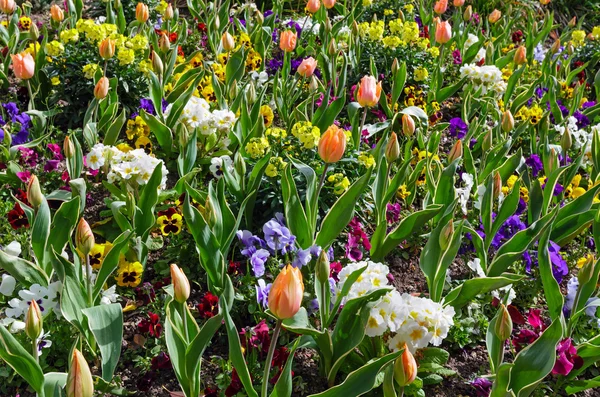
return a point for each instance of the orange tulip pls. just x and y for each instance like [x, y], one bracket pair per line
[408, 125]
[443, 32]
[544, 2]
[181, 284]
[56, 13]
[520, 56]
[313, 6]
[459, 3]
[285, 296]
[368, 92]
[287, 41]
[440, 6]
[8, 6]
[101, 89]
[107, 48]
[23, 65]
[79, 379]
[332, 144]
[405, 368]
[141, 13]
[495, 16]
[307, 67]
[84, 238]
[329, 4]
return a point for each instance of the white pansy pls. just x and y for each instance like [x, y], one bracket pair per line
[109, 296]
[475, 265]
[217, 164]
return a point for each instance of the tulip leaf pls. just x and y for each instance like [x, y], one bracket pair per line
[54, 383]
[40, 232]
[465, 292]
[22, 270]
[283, 387]
[106, 323]
[295, 214]
[111, 261]
[21, 361]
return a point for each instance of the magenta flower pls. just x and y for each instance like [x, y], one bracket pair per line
[24, 176]
[566, 358]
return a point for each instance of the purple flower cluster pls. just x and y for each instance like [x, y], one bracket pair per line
[21, 123]
[57, 157]
[357, 241]
[535, 163]
[458, 128]
[148, 106]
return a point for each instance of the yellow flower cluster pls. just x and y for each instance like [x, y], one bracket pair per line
[340, 183]
[578, 37]
[307, 133]
[421, 74]
[136, 128]
[276, 165]
[96, 32]
[419, 155]
[161, 7]
[583, 260]
[69, 36]
[402, 192]
[533, 114]
[275, 134]
[89, 70]
[373, 30]
[596, 33]
[510, 183]
[54, 48]
[257, 147]
[366, 159]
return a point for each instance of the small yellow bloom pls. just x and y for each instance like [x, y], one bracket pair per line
[129, 274]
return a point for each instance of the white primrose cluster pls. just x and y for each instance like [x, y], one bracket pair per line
[197, 115]
[488, 78]
[134, 165]
[411, 320]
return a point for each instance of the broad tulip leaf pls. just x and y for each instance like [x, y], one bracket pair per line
[21, 361]
[468, 290]
[106, 323]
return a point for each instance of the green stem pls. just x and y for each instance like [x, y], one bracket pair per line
[34, 350]
[401, 392]
[322, 180]
[362, 124]
[88, 281]
[185, 327]
[274, 337]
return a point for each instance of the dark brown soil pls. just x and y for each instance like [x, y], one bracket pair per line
[408, 278]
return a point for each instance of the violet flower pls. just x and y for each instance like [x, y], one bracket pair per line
[262, 293]
[458, 128]
[482, 387]
[258, 260]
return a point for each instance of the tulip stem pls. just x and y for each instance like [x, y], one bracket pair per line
[34, 350]
[322, 180]
[88, 272]
[401, 392]
[362, 124]
[274, 337]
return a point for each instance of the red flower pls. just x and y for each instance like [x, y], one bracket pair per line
[151, 325]
[517, 37]
[202, 27]
[180, 51]
[235, 386]
[173, 37]
[208, 306]
[234, 268]
[160, 361]
[17, 218]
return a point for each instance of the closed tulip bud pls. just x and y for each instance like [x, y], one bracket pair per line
[329, 4]
[328, 26]
[443, 32]
[497, 186]
[459, 3]
[332, 144]
[520, 56]
[468, 13]
[217, 22]
[34, 193]
[227, 41]
[307, 67]
[552, 161]
[141, 13]
[504, 326]
[487, 141]
[405, 368]
[285, 296]
[408, 125]
[260, 18]
[332, 48]
[164, 44]
[33, 321]
[118, 4]
[107, 48]
[181, 284]
[233, 90]
[23, 65]
[446, 235]
[169, 13]
[313, 6]
[210, 215]
[314, 84]
[369, 92]
[322, 267]
[544, 2]
[355, 29]
[395, 67]
[84, 238]
[587, 270]
[56, 13]
[34, 32]
[157, 64]
[570, 48]
[392, 150]
[401, 15]
[456, 151]
[240, 164]
[250, 94]
[566, 141]
[508, 121]
[495, 16]
[79, 378]
[8, 6]
[7, 137]
[101, 89]
[183, 135]
[440, 6]
[573, 22]
[287, 41]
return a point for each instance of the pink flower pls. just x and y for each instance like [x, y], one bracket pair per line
[566, 358]
[24, 176]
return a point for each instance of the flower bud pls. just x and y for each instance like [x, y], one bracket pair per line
[307, 67]
[181, 284]
[504, 326]
[468, 13]
[520, 56]
[107, 48]
[84, 238]
[443, 32]
[8, 6]
[497, 187]
[168, 15]
[566, 141]
[508, 121]
[446, 235]
[395, 66]
[227, 41]
[405, 368]
[233, 90]
[164, 44]
[487, 141]
[408, 125]
[23, 65]
[573, 22]
[458, 3]
[456, 151]
[555, 47]
[355, 29]
[240, 164]
[250, 93]
[440, 6]
[7, 136]
[79, 378]
[332, 144]
[141, 13]
[34, 193]
[495, 16]
[217, 22]
[368, 92]
[287, 40]
[285, 296]
[552, 161]
[392, 150]
[328, 26]
[313, 6]
[314, 84]
[56, 13]
[329, 4]
[322, 268]
[157, 64]
[544, 2]
[33, 321]
[101, 89]
[332, 48]
[587, 270]
[260, 18]
[34, 33]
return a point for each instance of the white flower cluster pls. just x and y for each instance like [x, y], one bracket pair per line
[488, 78]
[471, 40]
[46, 298]
[134, 165]
[580, 138]
[413, 320]
[197, 114]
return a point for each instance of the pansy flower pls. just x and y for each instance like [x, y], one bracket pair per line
[98, 254]
[17, 217]
[170, 221]
[129, 274]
